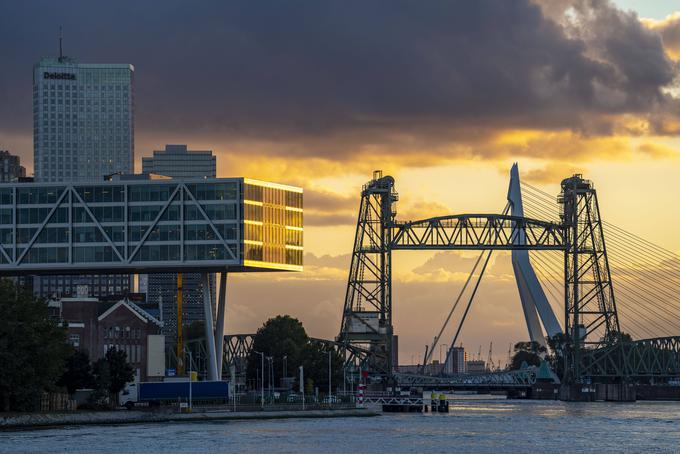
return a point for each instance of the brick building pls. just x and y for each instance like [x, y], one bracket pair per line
[97, 326]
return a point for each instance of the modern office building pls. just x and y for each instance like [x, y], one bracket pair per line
[83, 130]
[176, 161]
[150, 226]
[10, 167]
[83, 120]
[146, 226]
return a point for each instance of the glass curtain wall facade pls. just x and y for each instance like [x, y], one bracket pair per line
[83, 129]
[272, 219]
[210, 225]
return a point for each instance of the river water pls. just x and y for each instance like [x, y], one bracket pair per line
[473, 425]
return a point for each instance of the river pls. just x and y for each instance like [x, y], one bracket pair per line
[474, 425]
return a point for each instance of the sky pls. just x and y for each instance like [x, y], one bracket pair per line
[443, 95]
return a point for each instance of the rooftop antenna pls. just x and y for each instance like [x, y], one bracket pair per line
[61, 38]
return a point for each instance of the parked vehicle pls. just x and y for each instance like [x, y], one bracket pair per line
[155, 393]
[331, 400]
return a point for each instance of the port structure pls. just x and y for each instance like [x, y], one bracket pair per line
[593, 342]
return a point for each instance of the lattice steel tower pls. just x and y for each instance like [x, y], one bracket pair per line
[367, 315]
[591, 319]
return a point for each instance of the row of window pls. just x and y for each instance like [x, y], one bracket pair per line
[92, 234]
[272, 254]
[133, 352]
[117, 332]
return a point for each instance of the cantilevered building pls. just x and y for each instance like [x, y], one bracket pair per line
[207, 225]
[153, 226]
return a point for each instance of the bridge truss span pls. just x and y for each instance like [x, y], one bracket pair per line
[478, 231]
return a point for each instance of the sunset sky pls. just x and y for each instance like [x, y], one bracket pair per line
[442, 95]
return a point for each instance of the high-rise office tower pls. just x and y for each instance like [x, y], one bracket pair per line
[177, 161]
[83, 130]
[10, 167]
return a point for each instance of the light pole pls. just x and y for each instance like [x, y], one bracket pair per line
[190, 384]
[329, 376]
[285, 366]
[261, 378]
[302, 385]
[270, 375]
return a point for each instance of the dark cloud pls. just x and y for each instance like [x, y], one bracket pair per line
[365, 71]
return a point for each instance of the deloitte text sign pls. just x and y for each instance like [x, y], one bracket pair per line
[65, 76]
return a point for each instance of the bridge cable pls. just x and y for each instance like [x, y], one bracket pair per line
[467, 308]
[455, 304]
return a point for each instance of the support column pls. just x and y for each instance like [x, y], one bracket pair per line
[209, 333]
[219, 328]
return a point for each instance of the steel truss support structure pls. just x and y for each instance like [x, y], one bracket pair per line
[640, 360]
[367, 313]
[591, 319]
[477, 231]
[238, 347]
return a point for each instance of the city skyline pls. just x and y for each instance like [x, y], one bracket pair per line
[324, 118]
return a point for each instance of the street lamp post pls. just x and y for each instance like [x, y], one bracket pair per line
[329, 376]
[190, 380]
[261, 378]
[270, 376]
[285, 366]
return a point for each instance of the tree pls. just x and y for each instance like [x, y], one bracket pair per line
[120, 372]
[527, 352]
[282, 336]
[102, 383]
[111, 373]
[78, 373]
[33, 349]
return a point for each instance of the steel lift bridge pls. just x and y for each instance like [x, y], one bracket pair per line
[592, 345]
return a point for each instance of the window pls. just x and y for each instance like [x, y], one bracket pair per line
[74, 339]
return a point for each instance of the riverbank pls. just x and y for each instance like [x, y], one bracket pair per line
[78, 418]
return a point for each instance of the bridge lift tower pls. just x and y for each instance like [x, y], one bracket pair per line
[367, 314]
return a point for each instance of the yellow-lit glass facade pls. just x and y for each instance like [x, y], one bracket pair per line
[273, 232]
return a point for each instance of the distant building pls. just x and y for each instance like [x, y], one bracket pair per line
[476, 366]
[456, 361]
[176, 161]
[10, 167]
[96, 326]
[83, 130]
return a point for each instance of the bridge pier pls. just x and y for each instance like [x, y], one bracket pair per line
[209, 332]
[219, 325]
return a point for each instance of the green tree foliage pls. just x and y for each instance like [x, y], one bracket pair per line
[33, 349]
[285, 336]
[120, 371]
[78, 373]
[101, 373]
[111, 373]
[528, 352]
